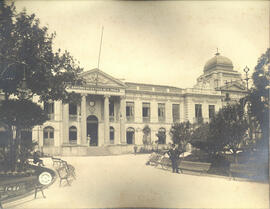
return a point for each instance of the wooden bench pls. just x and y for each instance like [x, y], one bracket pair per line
[56, 162]
[165, 162]
[154, 159]
[200, 167]
[63, 175]
[69, 168]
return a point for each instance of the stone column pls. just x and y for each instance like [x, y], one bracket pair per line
[220, 75]
[106, 120]
[122, 120]
[83, 119]
[79, 141]
[138, 110]
[59, 118]
[168, 112]
[65, 128]
[153, 111]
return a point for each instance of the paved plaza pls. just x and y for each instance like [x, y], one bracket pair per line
[125, 181]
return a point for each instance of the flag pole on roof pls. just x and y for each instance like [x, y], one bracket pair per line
[100, 46]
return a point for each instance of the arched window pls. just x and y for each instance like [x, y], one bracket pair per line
[73, 135]
[111, 135]
[130, 135]
[162, 136]
[48, 136]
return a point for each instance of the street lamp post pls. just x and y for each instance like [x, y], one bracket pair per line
[246, 70]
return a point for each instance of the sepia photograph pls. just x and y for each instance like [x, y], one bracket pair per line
[134, 104]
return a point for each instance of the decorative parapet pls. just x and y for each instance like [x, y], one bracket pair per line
[202, 91]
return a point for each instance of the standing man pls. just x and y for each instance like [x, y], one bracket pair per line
[174, 156]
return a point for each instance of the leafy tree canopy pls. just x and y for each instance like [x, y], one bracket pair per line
[259, 96]
[229, 127]
[26, 50]
[181, 133]
[23, 114]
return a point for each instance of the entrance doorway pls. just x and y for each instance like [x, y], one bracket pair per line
[92, 130]
[130, 135]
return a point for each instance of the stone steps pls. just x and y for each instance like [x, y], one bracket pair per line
[97, 151]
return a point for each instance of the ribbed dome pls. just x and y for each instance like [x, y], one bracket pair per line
[218, 62]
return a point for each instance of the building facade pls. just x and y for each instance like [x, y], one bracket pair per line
[112, 114]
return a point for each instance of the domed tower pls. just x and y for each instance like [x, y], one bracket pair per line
[219, 75]
[218, 71]
[218, 62]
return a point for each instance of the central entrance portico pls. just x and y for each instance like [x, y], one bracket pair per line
[92, 130]
[102, 108]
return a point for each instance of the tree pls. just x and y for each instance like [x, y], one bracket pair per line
[258, 98]
[20, 115]
[29, 67]
[181, 134]
[26, 52]
[228, 128]
[146, 134]
[201, 138]
[161, 137]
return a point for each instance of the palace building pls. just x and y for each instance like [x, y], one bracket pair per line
[112, 114]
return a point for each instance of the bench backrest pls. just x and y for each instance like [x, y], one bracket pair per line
[62, 172]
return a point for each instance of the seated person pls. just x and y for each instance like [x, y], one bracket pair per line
[37, 160]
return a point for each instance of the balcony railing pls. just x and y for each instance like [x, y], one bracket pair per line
[73, 117]
[198, 120]
[146, 119]
[130, 118]
[74, 141]
[176, 120]
[112, 119]
[161, 119]
[51, 116]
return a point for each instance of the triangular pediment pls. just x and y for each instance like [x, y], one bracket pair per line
[233, 87]
[99, 78]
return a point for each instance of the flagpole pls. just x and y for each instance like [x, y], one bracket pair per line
[100, 46]
[99, 55]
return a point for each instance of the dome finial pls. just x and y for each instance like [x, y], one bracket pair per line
[217, 52]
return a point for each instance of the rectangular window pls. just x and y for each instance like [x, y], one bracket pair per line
[72, 109]
[176, 112]
[211, 111]
[146, 112]
[161, 112]
[198, 113]
[49, 109]
[130, 111]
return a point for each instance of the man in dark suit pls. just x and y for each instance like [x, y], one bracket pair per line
[174, 156]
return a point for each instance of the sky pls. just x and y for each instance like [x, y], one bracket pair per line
[156, 42]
